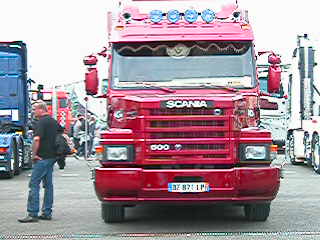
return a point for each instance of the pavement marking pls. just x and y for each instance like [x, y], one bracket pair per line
[69, 175]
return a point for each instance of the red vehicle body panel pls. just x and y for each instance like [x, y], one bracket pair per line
[64, 116]
[136, 185]
[146, 178]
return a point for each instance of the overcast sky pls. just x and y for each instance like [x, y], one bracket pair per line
[59, 33]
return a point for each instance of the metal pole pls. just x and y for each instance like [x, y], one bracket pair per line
[86, 130]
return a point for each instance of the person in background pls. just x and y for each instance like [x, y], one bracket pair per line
[77, 128]
[84, 137]
[44, 157]
[67, 148]
[92, 133]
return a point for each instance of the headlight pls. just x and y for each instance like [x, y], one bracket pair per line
[255, 152]
[119, 153]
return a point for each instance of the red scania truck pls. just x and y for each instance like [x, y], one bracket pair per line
[183, 109]
[63, 105]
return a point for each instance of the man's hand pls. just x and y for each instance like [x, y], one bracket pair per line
[36, 158]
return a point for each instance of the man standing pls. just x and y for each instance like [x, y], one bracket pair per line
[44, 157]
[77, 128]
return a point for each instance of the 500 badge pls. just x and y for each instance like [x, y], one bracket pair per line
[160, 147]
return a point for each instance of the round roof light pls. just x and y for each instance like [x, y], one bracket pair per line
[173, 16]
[191, 15]
[156, 16]
[208, 15]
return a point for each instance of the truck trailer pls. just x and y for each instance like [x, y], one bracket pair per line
[304, 106]
[15, 139]
[182, 100]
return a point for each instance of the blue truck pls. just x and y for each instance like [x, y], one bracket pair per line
[15, 138]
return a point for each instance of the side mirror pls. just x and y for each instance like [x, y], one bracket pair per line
[274, 78]
[91, 76]
[274, 59]
[91, 81]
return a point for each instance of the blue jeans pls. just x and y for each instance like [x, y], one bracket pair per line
[42, 171]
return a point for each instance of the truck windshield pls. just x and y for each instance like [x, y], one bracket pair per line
[183, 64]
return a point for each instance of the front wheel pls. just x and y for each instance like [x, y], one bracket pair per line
[315, 154]
[257, 212]
[16, 159]
[112, 213]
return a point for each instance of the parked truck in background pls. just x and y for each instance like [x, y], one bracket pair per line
[273, 107]
[15, 141]
[63, 111]
[183, 110]
[304, 106]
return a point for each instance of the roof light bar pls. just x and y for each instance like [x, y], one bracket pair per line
[173, 16]
[156, 16]
[208, 15]
[191, 15]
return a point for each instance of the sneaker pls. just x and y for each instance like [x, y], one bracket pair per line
[28, 219]
[45, 217]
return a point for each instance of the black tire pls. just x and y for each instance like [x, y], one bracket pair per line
[9, 174]
[257, 212]
[112, 213]
[17, 160]
[315, 153]
[291, 150]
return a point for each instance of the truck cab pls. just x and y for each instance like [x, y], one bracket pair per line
[303, 145]
[15, 142]
[273, 106]
[183, 110]
[63, 105]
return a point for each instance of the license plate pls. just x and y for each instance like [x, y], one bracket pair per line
[2, 168]
[190, 187]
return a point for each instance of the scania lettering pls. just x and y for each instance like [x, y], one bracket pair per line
[183, 109]
[186, 104]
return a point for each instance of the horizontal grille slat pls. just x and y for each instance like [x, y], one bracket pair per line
[177, 112]
[187, 135]
[176, 124]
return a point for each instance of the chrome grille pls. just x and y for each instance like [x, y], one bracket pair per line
[193, 135]
[172, 124]
[177, 112]
[161, 135]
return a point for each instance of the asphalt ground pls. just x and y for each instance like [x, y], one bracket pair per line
[294, 213]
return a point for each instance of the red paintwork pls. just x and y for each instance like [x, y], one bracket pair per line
[274, 73]
[64, 116]
[135, 182]
[138, 185]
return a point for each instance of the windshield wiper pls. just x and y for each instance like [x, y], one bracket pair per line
[150, 85]
[210, 85]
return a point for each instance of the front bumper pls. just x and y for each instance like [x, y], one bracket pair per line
[137, 185]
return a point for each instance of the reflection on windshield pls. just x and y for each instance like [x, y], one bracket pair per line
[183, 64]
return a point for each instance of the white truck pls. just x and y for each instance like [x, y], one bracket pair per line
[273, 106]
[302, 143]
